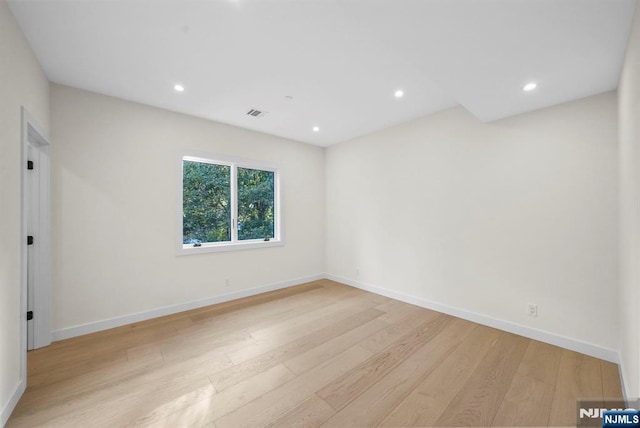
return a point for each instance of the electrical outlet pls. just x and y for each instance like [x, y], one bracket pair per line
[532, 310]
[226, 282]
[357, 272]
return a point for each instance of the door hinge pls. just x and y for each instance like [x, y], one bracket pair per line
[29, 240]
[29, 164]
[29, 315]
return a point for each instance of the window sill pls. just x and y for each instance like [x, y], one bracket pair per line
[184, 250]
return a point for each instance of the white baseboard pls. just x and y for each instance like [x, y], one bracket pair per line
[93, 327]
[621, 372]
[511, 327]
[11, 404]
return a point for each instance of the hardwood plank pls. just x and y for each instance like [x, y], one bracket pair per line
[527, 403]
[541, 361]
[528, 399]
[159, 415]
[333, 347]
[117, 406]
[611, 387]
[176, 350]
[479, 399]
[376, 402]
[426, 403]
[239, 372]
[236, 324]
[278, 311]
[294, 328]
[340, 392]
[308, 414]
[129, 395]
[309, 318]
[51, 375]
[93, 351]
[98, 346]
[274, 404]
[579, 377]
[396, 310]
[199, 412]
[149, 353]
[81, 384]
[398, 329]
[242, 316]
[236, 305]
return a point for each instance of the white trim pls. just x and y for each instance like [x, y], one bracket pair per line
[33, 133]
[13, 401]
[234, 205]
[623, 384]
[234, 163]
[200, 156]
[511, 327]
[93, 327]
[214, 247]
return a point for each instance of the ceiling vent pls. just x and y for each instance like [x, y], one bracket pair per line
[255, 113]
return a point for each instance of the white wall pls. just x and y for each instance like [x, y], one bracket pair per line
[629, 111]
[487, 217]
[115, 191]
[23, 84]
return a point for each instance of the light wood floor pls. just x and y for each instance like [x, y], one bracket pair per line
[317, 354]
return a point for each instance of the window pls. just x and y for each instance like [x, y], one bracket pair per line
[227, 205]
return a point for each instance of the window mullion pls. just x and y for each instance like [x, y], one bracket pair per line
[234, 203]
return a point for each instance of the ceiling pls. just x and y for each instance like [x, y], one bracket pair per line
[334, 64]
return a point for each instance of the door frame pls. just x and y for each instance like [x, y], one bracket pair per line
[33, 134]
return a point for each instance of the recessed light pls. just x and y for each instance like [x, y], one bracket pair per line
[399, 93]
[529, 86]
[316, 129]
[178, 87]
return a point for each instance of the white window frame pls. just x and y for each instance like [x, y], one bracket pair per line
[234, 244]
